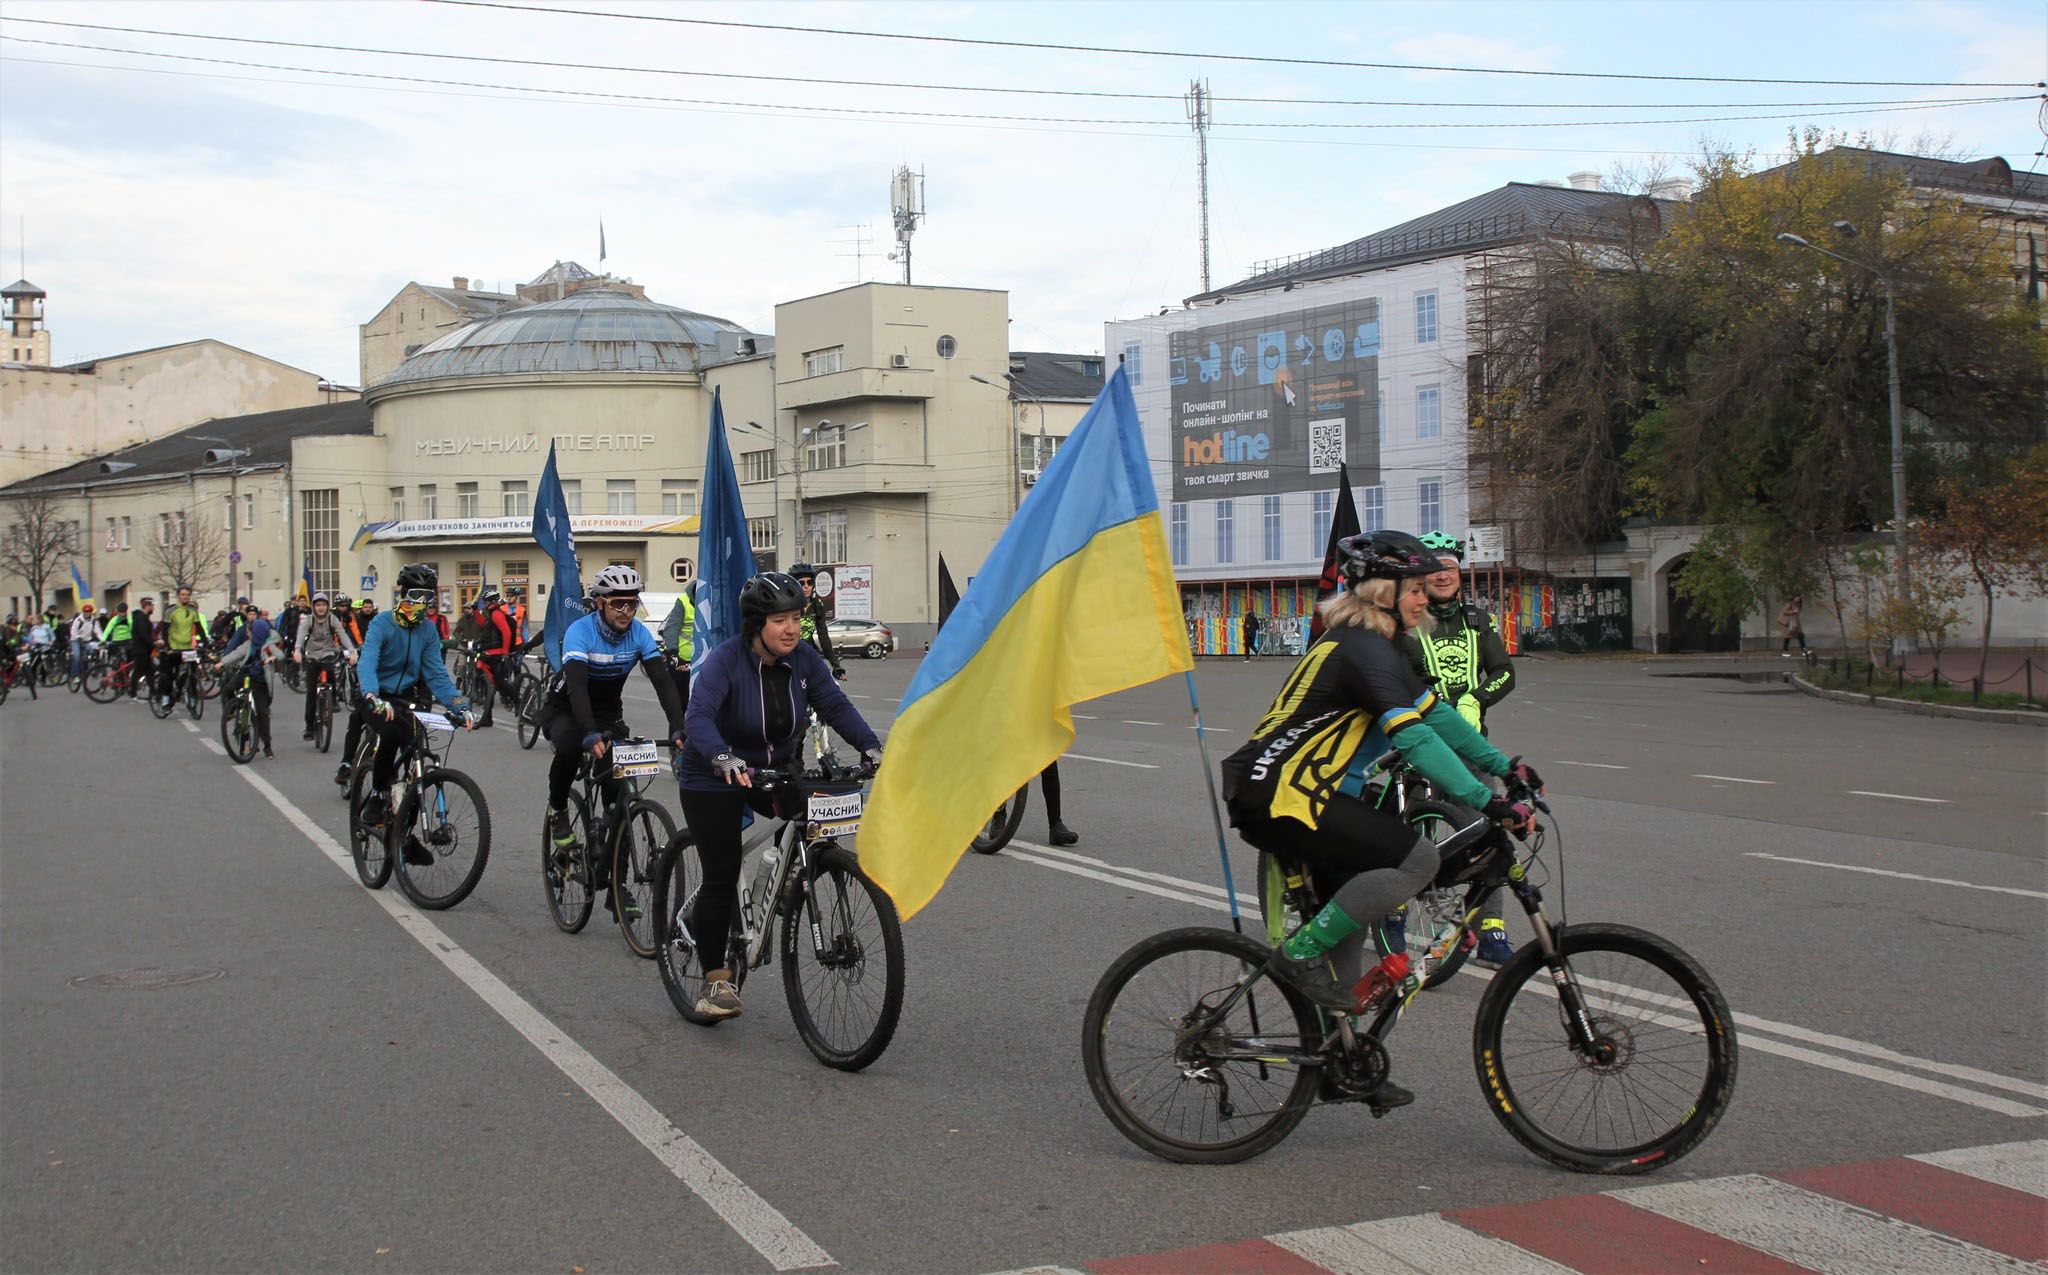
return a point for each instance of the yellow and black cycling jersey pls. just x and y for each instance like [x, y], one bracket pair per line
[1458, 650]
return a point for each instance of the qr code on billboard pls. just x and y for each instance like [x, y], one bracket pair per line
[1325, 446]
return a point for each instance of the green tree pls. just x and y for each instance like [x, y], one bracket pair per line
[1996, 533]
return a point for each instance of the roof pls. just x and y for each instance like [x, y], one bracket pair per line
[1515, 212]
[1992, 176]
[474, 302]
[1057, 376]
[561, 272]
[267, 436]
[595, 330]
[22, 288]
[87, 365]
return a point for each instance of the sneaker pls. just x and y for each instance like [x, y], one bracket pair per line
[1313, 978]
[417, 855]
[1062, 835]
[341, 775]
[1494, 950]
[266, 749]
[628, 907]
[721, 999]
[1387, 1097]
[376, 809]
[1395, 930]
[308, 736]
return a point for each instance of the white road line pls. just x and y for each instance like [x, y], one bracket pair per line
[1903, 876]
[1211, 730]
[1732, 779]
[1128, 722]
[2023, 1166]
[1412, 1246]
[1123, 882]
[757, 1222]
[1251, 900]
[1109, 761]
[1596, 765]
[1085, 717]
[1899, 796]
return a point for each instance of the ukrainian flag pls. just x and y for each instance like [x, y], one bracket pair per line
[1076, 601]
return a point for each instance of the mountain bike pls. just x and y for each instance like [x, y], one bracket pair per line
[615, 855]
[436, 833]
[238, 733]
[1003, 824]
[52, 665]
[185, 685]
[841, 944]
[333, 673]
[17, 673]
[107, 678]
[1601, 1048]
[533, 695]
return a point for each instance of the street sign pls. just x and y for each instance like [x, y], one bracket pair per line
[235, 558]
[369, 584]
[821, 583]
[1485, 544]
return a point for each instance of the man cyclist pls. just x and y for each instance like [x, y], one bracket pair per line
[1458, 649]
[84, 634]
[499, 639]
[143, 630]
[400, 660]
[320, 643]
[679, 635]
[252, 646]
[184, 629]
[814, 627]
[748, 708]
[1351, 694]
[599, 651]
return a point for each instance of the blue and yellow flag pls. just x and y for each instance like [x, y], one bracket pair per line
[81, 594]
[1076, 601]
[305, 593]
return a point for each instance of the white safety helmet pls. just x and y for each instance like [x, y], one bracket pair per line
[617, 578]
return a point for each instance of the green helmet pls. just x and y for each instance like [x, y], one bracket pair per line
[1440, 542]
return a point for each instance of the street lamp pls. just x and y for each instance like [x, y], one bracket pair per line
[1902, 644]
[797, 466]
[227, 454]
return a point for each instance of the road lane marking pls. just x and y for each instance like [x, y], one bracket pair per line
[1903, 876]
[1596, 765]
[1732, 779]
[1899, 796]
[1084, 717]
[1128, 722]
[756, 1221]
[1110, 761]
[1127, 883]
[1211, 730]
[1249, 900]
[1428, 1243]
[2020, 1166]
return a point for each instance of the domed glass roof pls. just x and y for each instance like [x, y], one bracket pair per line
[595, 330]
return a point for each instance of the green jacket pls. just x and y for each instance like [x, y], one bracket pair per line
[1458, 649]
[183, 627]
[118, 629]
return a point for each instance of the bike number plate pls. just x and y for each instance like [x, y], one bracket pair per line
[190, 657]
[635, 761]
[836, 815]
[435, 721]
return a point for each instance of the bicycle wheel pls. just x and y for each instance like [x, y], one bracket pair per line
[842, 962]
[238, 729]
[1662, 1069]
[158, 704]
[195, 696]
[565, 874]
[1002, 825]
[366, 846]
[636, 845]
[677, 878]
[28, 677]
[208, 683]
[1181, 1083]
[323, 720]
[100, 686]
[442, 839]
[529, 712]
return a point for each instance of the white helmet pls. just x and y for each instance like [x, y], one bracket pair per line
[617, 578]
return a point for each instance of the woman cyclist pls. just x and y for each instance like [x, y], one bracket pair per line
[749, 704]
[1291, 789]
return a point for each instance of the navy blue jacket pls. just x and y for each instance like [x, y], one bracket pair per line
[726, 714]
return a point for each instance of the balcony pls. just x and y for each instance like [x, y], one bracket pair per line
[854, 384]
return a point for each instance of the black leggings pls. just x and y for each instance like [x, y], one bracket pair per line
[567, 738]
[1049, 784]
[714, 822]
[1352, 837]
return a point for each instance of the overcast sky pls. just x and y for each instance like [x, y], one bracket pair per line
[277, 209]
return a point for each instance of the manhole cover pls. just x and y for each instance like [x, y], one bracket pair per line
[146, 980]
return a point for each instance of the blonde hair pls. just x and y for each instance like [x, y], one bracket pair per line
[1368, 604]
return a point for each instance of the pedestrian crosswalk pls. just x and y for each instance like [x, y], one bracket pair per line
[1964, 1212]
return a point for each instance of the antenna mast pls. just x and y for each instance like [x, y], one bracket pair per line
[906, 200]
[858, 240]
[1200, 116]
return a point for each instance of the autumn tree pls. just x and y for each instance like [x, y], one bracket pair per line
[185, 550]
[1996, 533]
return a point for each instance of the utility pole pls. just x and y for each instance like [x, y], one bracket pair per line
[1199, 115]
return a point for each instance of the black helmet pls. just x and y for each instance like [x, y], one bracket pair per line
[769, 593]
[802, 571]
[1385, 555]
[417, 575]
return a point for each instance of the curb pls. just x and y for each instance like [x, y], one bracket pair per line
[2014, 716]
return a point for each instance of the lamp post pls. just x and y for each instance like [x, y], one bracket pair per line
[1902, 644]
[803, 436]
[227, 454]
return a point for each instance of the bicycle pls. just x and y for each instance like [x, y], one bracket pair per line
[437, 817]
[18, 673]
[615, 856]
[323, 705]
[1003, 824]
[238, 732]
[1224, 1061]
[185, 683]
[107, 680]
[833, 920]
[533, 695]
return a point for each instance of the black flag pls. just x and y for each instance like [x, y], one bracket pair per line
[949, 596]
[1344, 522]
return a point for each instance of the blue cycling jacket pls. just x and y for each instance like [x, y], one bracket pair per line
[396, 658]
[727, 714]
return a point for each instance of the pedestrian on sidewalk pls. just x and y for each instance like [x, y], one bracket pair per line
[1251, 634]
[1788, 620]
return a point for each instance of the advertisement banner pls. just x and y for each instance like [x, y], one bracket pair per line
[854, 596]
[1272, 405]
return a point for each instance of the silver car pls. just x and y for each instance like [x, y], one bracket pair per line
[871, 638]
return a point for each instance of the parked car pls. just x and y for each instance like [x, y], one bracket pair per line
[871, 638]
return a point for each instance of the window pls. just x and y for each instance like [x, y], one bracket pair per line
[572, 495]
[430, 500]
[1134, 361]
[170, 528]
[825, 540]
[517, 503]
[1428, 414]
[761, 533]
[621, 496]
[948, 347]
[820, 362]
[127, 532]
[513, 572]
[1226, 532]
[1177, 540]
[1374, 516]
[678, 497]
[1319, 525]
[227, 513]
[465, 500]
[826, 448]
[398, 504]
[321, 513]
[248, 510]
[1431, 517]
[1425, 318]
[113, 535]
[757, 467]
[1274, 549]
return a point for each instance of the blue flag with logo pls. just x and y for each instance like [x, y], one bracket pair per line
[552, 532]
[725, 557]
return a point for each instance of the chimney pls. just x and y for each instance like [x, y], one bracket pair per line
[462, 283]
[1673, 188]
[1584, 179]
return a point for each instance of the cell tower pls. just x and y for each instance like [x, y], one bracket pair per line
[1200, 116]
[906, 201]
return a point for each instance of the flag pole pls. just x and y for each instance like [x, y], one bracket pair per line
[1215, 803]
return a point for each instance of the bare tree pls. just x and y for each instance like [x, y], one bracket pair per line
[186, 549]
[37, 540]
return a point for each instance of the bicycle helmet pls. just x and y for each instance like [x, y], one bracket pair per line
[1384, 555]
[802, 571]
[417, 575]
[487, 597]
[617, 578]
[770, 593]
[1442, 542]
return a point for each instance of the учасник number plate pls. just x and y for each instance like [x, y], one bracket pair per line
[836, 814]
[635, 761]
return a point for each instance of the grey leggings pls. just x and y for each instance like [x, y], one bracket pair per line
[1380, 861]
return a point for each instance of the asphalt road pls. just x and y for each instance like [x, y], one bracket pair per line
[343, 1085]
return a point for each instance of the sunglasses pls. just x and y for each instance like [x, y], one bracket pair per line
[417, 597]
[620, 604]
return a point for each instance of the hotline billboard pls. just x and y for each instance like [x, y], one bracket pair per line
[1263, 406]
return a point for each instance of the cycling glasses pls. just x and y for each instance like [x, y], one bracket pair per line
[623, 602]
[416, 597]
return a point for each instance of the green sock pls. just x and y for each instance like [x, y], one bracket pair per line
[1330, 927]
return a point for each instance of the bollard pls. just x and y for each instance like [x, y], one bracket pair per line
[1976, 689]
[1899, 678]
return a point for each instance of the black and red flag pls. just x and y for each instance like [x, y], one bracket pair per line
[1343, 522]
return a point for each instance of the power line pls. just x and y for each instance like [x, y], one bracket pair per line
[1041, 46]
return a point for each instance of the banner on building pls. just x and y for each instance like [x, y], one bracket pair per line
[854, 596]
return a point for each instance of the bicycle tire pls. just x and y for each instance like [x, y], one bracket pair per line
[160, 706]
[636, 845]
[677, 878]
[529, 712]
[566, 877]
[369, 850]
[323, 720]
[100, 686]
[829, 906]
[438, 830]
[195, 697]
[238, 730]
[1609, 1001]
[208, 682]
[28, 677]
[1003, 824]
[54, 672]
[6, 687]
[1221, 960]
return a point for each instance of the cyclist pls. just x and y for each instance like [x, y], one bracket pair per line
[143, 630]
[400, 659]
[1350, 695]
[184, 629]
[748, 708]
[679, 634]
[815, 628]
[84, 634]
[499, 639]
[599, 651]
[1457, 648]
[254, 644]
[320, 642]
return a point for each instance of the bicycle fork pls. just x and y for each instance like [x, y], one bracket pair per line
[1587, 1041]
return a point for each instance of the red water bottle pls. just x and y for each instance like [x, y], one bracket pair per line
[1388, 974]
